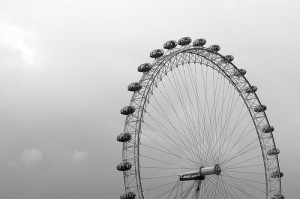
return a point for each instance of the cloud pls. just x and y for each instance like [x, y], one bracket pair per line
[11, 164]
[79, 156]
[19, 39]
[31, 157]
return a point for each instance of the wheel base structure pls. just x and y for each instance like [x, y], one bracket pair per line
[198, 176]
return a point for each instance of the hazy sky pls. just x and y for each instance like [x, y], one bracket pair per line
[65, 66]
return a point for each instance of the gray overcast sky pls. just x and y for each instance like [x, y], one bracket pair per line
[65, 66]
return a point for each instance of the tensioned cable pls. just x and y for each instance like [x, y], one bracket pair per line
[179, 150]
[230, 178]
[238, 188]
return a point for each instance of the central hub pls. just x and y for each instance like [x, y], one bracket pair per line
[201, 173]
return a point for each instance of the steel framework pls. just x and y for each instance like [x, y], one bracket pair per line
[203, 56]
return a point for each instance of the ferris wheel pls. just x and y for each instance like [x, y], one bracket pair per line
[195, 128]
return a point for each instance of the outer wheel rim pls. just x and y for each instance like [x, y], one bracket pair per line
[139, 100]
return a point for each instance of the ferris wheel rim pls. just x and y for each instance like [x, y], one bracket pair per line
[157, 62]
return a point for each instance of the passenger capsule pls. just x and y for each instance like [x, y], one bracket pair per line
[128, 195]
[274, 151]
[124, 166]
[144, 67]
[157, 53]
[184, 41]
[127, 110]
[170, 44]
[199, 42]
[250, 89]
[124, 137]
[229, 58]
[278, 196]
[215, 48]
[267, 129]
[276, 174]
[260, 108]
[239, 72]
[135, 86]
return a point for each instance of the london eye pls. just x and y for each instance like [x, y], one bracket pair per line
[195, 128]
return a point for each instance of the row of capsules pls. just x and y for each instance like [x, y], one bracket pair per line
[146, 67]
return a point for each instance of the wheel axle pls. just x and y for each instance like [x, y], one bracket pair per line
[200, 174]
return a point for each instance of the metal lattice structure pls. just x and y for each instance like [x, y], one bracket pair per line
[193, 109]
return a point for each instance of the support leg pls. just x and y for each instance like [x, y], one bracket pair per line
[196, 190]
